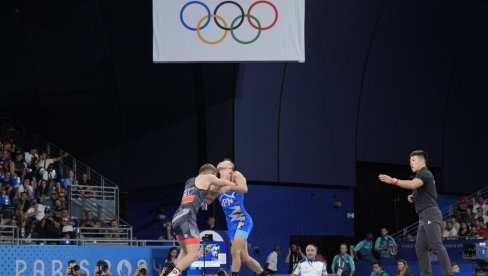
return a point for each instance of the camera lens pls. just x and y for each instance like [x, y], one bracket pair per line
[76, 267]
[143, 271]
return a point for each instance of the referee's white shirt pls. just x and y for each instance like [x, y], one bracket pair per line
[313, 267]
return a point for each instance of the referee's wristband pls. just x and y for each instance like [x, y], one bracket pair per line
[394, 181]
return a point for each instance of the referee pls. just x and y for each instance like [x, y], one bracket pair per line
[424, 196]
[310, 266]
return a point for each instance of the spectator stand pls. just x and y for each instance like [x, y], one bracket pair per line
[101, 196]
[446, 212]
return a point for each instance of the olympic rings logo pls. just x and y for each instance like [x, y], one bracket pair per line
[224, 25]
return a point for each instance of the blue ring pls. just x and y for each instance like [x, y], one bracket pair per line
[199, 3]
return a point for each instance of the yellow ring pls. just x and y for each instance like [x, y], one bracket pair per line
[211, 42]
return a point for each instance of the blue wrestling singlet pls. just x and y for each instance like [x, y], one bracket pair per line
[239, 222]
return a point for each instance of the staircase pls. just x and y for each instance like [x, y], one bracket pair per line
[101, 197]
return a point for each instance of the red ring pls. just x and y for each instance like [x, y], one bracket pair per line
[262, 28]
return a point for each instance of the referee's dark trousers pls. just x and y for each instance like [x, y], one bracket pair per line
[429, 237]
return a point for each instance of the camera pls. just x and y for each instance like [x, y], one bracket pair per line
[168, 267]
[141, 270]
[222, 272]
[207, 237]
[102, 267]
[73, 269]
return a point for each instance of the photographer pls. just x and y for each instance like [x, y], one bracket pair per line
[102, 269]
[73, 269]
[142, 270]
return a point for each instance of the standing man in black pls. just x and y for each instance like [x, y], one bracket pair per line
[424, 196]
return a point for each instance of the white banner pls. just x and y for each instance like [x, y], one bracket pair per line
[227, 31]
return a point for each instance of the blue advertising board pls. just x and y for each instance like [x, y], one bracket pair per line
[454, 248]
[53, 259]
[40, 260]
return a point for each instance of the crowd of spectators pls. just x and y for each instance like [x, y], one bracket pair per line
[33, 196]
[469, 219]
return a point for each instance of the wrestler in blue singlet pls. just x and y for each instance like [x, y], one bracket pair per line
[239, 222]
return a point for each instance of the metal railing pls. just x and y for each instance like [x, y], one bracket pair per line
[9, 234]
[78, 167]
[446, 212]
[105, 235]
[102, 201]
[101, 241]
[101, 197]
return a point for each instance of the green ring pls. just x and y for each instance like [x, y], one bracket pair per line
[232, 29]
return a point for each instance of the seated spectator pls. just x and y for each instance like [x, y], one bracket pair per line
[461, 210]
[70, 178]
[468, 216]
[43, 192]
[58, 195]
[409, 237]
[20, 167]
[43, 164]
[22, 204]
[6, 184]
[403, 269]
[25, 187]
[479, 201]
[482, 230]
[58, 208]
[49, 228]
[90, 222]
[61, 190]
[454, 222]
[449, 231]
[85, 181]
[114, 232]
[377, 270]
[4, 198]
[6, 162]
[463, 230]
[481, 214]
[51, 173]
[76, 190]
[167, 233]
[473, 232]
[479, 224]
[67, 223]
[31, 157]
[33, 216]
[365, 249]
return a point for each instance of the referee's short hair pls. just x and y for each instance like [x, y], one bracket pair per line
[420, 153]
[313, 245]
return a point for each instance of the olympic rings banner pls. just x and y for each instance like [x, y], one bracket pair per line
[228, 31]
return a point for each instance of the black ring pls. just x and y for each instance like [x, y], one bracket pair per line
[229, 2]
